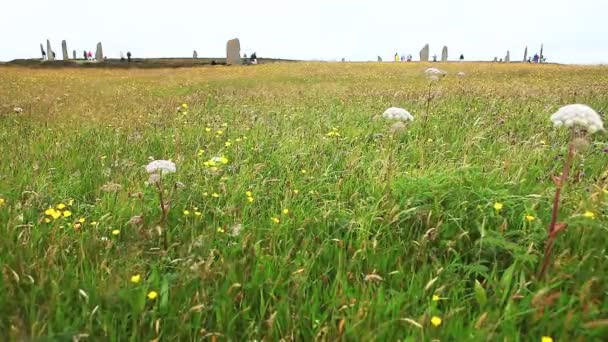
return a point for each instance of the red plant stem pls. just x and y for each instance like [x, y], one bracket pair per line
[552, 234]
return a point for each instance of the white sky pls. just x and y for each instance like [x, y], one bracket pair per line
[573, 31]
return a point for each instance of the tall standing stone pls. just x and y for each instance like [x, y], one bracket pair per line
[74, 54]
[541, 52]
[379, 59]
[526, 54]
[508, 57]
[424, 53]
[42, 51]
[99, 52]
[444, 54]
[233, 52]
[195, 54]
[49, 51]
[64, 50]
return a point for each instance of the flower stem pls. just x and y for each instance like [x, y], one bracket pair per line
[552, 229]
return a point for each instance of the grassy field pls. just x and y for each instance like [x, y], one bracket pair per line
[317, 220]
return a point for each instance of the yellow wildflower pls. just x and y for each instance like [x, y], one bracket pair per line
[238, 139]
[219, 132]
[296, 191]
[216, 195]
[2, 201]
[186, 212]
[546, 339]
[152, 295]
[429, 140]
[47, 220]
[56, 214]
[200, 152]
[94, 223]
[115, 232]
[589, 214]
[220, 229]
[205, 194]
[436, 321]
[207, 129]
[185, 105]
[249, 194]
[49, 211]
[530, 218]
[198, 213]
[542, 142]
[276, 220]
[67, 213]
[498, 206]
[135, 278]
[228, 143]
[223, 160]
[82, 220]
[436, 298]
[303, 171]
[285, 211]
[60, 206]
[250, 199]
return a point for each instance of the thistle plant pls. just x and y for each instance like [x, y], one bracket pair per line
[580, 119]
[156, 169]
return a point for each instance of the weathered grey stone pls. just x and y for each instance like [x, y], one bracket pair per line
[233, 52]
[526, 54]
[49, 51]
[42, 51]
[195, 54]
[495, 59]
[424, 53]
[444, 54]
[379, 59]
[99, 52]
[508, 57]
[64, 50]
[74, 54]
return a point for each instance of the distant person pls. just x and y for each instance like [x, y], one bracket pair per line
[129, 56]
[245, 55]
[90, 55]
[529, 59]
[84, 54]
[213, 62]
[396, 57]
[409, 58]
[254, 58]
[403, 58]
[461, 57]
[434, 58]
[536, 57]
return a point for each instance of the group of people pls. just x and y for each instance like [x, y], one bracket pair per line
[409, 58]
[253, 59]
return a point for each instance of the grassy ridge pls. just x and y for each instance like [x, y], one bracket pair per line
[371, 224]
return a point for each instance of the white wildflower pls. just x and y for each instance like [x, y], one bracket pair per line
[434, 72]
[153, 179]
[461, 74]
[398, 113]
[18, 110]
[236, 230]
[578, 115]
[165, 166]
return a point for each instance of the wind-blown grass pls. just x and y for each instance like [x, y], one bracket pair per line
[320, 223]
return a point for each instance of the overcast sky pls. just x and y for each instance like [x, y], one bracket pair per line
[573, 31]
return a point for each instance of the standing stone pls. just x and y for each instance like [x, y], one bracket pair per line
[379, 59]
[526, 54]
[49, 51]
[542, 56]
[508, 57]
[64, 50]
[74, 54]
[444, 54]
[99, 52]
[233, 52]
[424, 53]
[42, 51]
[343, 59]
[495, 59]
[195, 54]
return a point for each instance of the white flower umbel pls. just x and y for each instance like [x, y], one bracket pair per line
[434, 72]
[398, 114]
[578, 115]
[162, 166]
[461, 74]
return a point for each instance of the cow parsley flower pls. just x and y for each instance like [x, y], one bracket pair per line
[161, 166]
[578, 115]
[398, 114]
